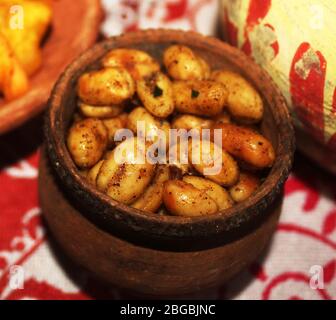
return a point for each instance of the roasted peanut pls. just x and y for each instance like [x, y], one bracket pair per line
[87, 141]
[245, 187]
[243, 102]
[115, 124]
[93, 172]
[124, 177]
[151, 199]
[132, 94]
[100, 111]
[213, 190]
[189, 122]
[108, 86]
[183, 64]
[141, 122]
[247, 145]
[138, 63]
[178, 157]
[156, 94]
[213, 162]
[205, 98]
[183, 199]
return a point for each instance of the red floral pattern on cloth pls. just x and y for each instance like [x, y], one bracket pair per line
[128, 15]
[306, 234]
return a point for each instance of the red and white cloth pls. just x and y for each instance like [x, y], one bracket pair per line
[303, 247]
[128, 15]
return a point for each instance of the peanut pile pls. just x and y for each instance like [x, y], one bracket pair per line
[132, 103]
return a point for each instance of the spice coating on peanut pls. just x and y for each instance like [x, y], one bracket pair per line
[183, 64]
[87, 141]
[243, 101]
[247, 145]
[245, 187]
[176, 140]
[203, 98]
[183, 199]
[138, 63]
[108, 86]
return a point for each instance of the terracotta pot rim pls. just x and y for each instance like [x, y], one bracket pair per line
[171, 226]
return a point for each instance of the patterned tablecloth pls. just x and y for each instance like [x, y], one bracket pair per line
[300, 263]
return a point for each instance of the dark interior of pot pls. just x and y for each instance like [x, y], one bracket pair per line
[168, 231]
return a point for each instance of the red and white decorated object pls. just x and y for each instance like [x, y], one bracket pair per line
[305, 241]
[295, 42]
[128, 15]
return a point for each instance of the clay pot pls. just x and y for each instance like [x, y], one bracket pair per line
[150, 253]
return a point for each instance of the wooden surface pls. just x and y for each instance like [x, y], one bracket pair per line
[75, 27]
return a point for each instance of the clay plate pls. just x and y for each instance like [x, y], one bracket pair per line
[75, 27]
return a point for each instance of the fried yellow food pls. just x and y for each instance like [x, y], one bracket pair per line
[25, 41]
[13, 79]
[23, 25]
